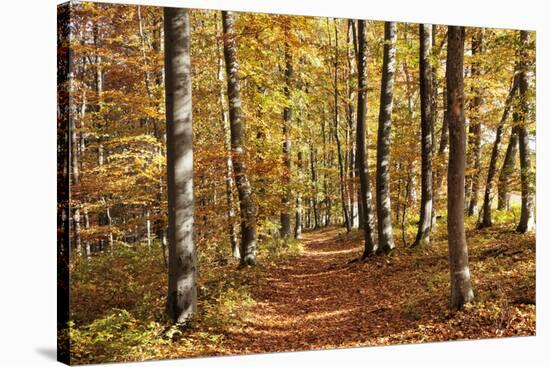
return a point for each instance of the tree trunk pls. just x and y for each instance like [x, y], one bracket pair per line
[435, 117]
[148, 226]
[235, 251]
[313, 160]
[383, 204]
[299, 210]
[352, 187]
[326, 200]
[182, 268]
[440, 168]
[287, 120]
[461, 289]
[360, 136]
[336, 135]
[507, 170]
[64, 69]
[424, 226]
[73, 146]
[491, 172]
[475, 124]
[527, 218]
[248, 211]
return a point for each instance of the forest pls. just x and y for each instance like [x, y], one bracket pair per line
[234, 183]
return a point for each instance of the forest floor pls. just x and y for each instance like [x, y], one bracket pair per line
[320, 299]
[313, 297]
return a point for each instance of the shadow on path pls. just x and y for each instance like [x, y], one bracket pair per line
[318, 300]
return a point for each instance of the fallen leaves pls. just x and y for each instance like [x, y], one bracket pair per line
[305, 296]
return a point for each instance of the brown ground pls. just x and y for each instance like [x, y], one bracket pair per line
[320, 300]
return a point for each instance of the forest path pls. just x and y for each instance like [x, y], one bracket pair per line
[319, 300]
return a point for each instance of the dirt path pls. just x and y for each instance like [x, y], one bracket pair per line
[318, 300]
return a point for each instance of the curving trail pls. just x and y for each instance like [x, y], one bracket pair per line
[320, 300]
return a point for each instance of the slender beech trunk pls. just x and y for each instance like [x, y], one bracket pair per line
[81, 148]
[478, 48]
[64, 69]
[360, 210]
[313, 161]
[148, 226]
[97, 108]
[158, 79]
[352, 187]
[461, 288]
[326, 165]
[527, 217]
[426, 121]
[182, 268]
[287, 120]
[248, 211]
[441, 163]
[360, 136]
[383, 204]
[507, 170]
[228, 162]
[336, 135]
[491, 172]
[435, 117]
[73, 146]
[299, 210]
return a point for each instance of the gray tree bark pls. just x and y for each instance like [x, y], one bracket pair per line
[360, 136]
[435, 117]
[527, 217]
[426, 126]
[313, 161]
[478, 48]
[182, 268]
[461, 288]
[507, 170]
[73, 148]
[298, 223]
[336, 135]
[487, 220]
[229, 161]
[287, 120]
[246, 203]
[383, 203]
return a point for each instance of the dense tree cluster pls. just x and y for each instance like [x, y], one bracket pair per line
[296, 123]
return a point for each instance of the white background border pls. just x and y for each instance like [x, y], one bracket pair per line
[28, 180]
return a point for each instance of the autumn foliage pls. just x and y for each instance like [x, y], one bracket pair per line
[299, 93]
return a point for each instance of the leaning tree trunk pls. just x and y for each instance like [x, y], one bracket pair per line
[383, 204]
[488, 197]
[287, 119]
[426, 121]
[461, 288]
[527, 218]
[507, 170]
[361, 155]
[440, 167]
[182, 268]
[248, 211]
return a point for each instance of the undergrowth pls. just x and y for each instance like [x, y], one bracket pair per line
[118, 299]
